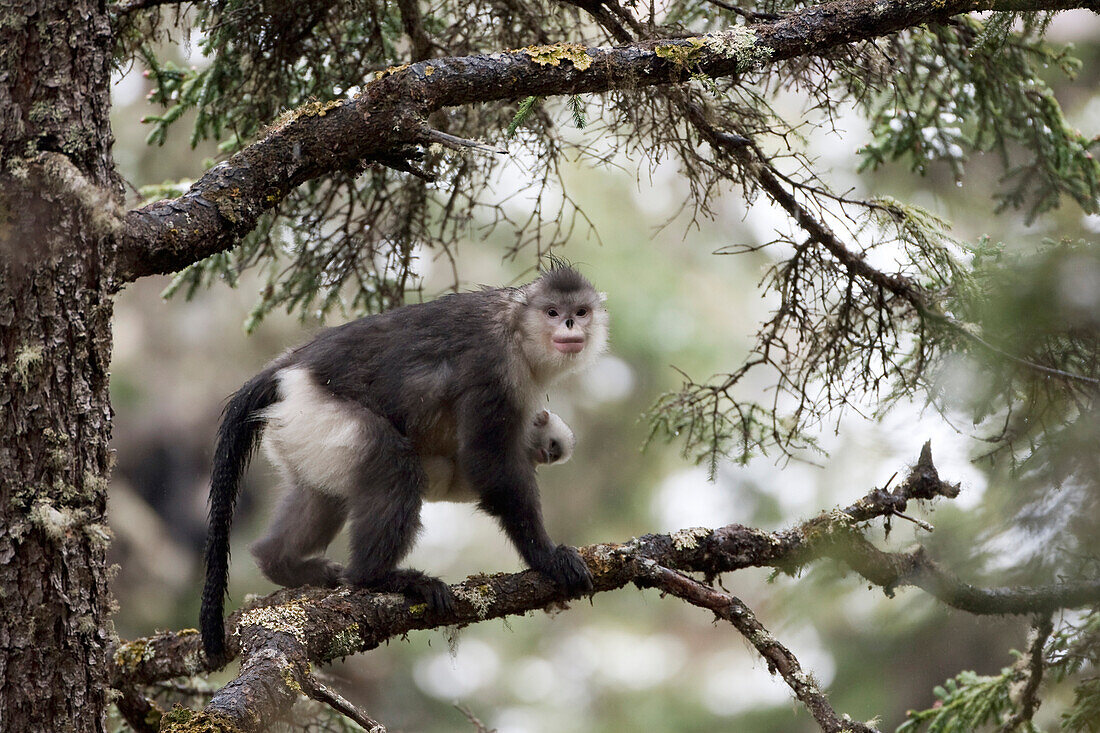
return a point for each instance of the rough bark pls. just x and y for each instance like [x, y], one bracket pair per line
[56, 228]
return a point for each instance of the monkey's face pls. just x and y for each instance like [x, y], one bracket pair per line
[568, 325]
[568, 329]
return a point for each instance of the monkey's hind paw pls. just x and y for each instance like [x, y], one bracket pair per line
[568, 569]
[419, 587]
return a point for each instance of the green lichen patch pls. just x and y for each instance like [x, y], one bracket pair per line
[180, 720]
[738, 43]
[99, 535]
[346, 641]
[684, 52]
[741, 43]
[555, 54]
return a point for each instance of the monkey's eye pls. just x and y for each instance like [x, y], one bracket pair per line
[552, 312]
[582, 312]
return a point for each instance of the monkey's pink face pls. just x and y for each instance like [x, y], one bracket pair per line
[564, 331]
[568, 326]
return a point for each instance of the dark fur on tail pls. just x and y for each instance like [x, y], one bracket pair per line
[238, 437]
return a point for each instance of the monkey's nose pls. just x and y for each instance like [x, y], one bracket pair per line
[569, 323]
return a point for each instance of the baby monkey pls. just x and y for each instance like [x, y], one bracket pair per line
[549, 440]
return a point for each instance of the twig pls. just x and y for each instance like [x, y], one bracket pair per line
[460, 143]
[779, 658]
[919, 522]
[407, 166]
[915, 568]
[322, 693]
[413, 24]
[474, 721]
[746, 14]
[135, 5]
[1029, 702]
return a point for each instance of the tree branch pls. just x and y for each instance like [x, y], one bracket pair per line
[413, 23]
[779, 658]
[1029, 699]
[140, 713]
[123, 8]
[318, 691]
[320, 138]
[915, 568]
[279, 636]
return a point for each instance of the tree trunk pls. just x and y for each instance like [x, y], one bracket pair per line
[58, 202]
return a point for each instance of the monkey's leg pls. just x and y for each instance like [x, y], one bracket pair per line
[304, 525]
[384, 518]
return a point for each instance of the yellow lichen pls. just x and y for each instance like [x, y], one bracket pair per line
[429, 70]
[289, 618]
[391, 70]
[309, 109]
[130, 654]
[290, 679]
[317, 109]
[682, 53]
[554, 55]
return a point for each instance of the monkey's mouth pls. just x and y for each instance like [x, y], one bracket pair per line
[569, 344]
[543, 455]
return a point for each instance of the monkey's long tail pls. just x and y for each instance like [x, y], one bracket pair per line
[238, 436]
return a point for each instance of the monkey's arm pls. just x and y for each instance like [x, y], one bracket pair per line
[495, 460]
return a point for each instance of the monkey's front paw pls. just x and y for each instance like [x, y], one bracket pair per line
[568, 570]
[434, 592]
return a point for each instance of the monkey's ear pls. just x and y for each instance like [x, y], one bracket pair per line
[519, 295]
[603, 297]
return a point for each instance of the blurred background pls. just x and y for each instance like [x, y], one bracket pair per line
[629, 659]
